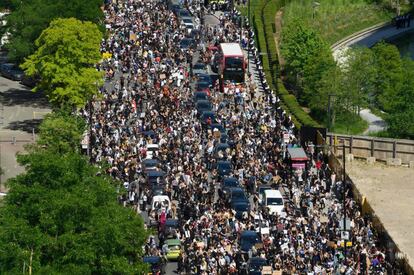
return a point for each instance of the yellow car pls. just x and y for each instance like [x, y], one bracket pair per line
[174, 249]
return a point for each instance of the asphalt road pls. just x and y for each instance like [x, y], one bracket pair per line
[21, 112]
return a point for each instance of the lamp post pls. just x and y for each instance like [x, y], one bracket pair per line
[344, 193]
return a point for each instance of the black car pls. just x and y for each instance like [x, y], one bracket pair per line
[182, 13]
[200, 96]
[242, 208]
[255, 265]
[199, 69]
[186, 43]
[236, 194]
[205, 78]
[203, 106]
[248, 239]
[224, 168]
[11, 71]
[206, 116]
[229, 182]
[156, 264]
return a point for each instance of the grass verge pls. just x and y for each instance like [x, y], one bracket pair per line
[336, 19]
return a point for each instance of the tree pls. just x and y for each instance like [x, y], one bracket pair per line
[400, 118]
[59, 217]
[359, 72]
[30, 17]
[61, 132]
[65, 57]
[300, 45]
[389, 74]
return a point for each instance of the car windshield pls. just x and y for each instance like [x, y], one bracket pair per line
[203, 85]
[238, 194]
[186, 20]
[199, 66]
[241, 207]
[249, 239]
[274, 201]
[224, 165]
[204, 104]
[234, 63]
[174, 247]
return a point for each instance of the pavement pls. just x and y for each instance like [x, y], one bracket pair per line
[376, 123]
[389, 191]
[21, 112]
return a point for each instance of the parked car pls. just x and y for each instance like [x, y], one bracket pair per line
[199, 69]
[186, 43]
[11, 71]
[255, 265]
[248, 239]
[229, 182]
[224, 168]
[200, 96]
[273, 200]
[174, 249]
[203, 106]
[156, 263]
[242, 209]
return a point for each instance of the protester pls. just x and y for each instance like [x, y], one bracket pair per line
[148, 99]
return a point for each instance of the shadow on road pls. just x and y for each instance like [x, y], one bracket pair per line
[23, 97]
[25, 125]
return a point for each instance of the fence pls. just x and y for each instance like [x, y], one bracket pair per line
[380, 148]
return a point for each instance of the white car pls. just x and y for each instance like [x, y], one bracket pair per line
[273, 200]
[152, 151]
[188, 23]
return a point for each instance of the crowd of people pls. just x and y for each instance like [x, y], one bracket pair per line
[148, 99]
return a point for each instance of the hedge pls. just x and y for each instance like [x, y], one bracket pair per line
[263, 16]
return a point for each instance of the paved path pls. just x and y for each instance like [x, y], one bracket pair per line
[376, 124]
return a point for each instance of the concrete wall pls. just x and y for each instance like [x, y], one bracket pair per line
[380, 148]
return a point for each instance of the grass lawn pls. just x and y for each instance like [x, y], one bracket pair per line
[350, 124]
[336, 19]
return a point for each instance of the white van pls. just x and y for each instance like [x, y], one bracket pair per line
[161, 202]
[273, 200]
[152, 151]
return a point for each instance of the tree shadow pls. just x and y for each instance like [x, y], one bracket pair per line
[25, 125]
[27, 98]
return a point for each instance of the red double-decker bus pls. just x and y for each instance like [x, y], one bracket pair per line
[232, 64]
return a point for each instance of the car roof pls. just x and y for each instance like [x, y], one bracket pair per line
[159, 173]
[150, 162]
[151, 259]
[223, 162]
[240, 202]
[208, 113]
[222, 145]
[273, 193]
[173, 242]
[171, 222]
[230, 179]
[236, 189]
[249, 233]
[258, 260]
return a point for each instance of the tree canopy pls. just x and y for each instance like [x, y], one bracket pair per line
[66, 54]
[29, 18]
[61, 217]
